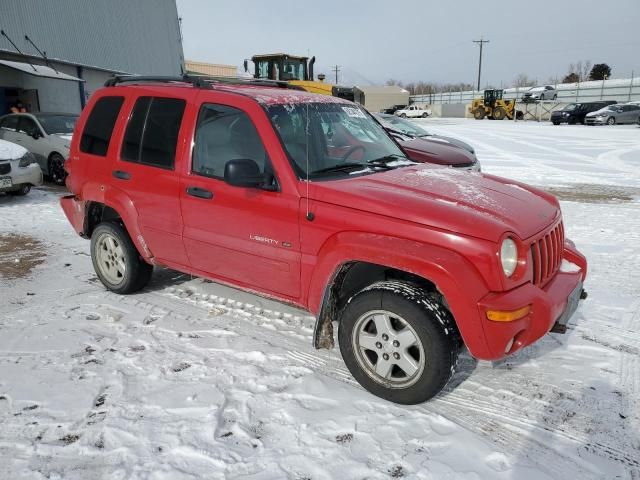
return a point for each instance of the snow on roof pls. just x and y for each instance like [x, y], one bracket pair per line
[11, 151]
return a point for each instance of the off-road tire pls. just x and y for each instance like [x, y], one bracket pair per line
[430, 322]
[499, 113]
[24, 189]
[479, 113]
[136, 272]
[57, 173]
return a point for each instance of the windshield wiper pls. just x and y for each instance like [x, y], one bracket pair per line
[341, 167]
[386, 160]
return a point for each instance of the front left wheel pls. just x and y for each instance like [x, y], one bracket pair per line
[611, 121]
[398, 342]
[24, 189]
[56, 169]
[116, 260]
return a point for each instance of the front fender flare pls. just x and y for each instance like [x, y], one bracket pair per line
[455, 278]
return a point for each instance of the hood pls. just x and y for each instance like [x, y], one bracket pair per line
[472, 204]
[436, 151]
[11, 151]
[453, 141]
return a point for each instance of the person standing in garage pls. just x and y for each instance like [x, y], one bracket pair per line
[18, 107]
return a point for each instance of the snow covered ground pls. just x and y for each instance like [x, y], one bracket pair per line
[190, 379]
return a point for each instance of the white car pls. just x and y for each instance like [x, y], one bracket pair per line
[46, 135]
[19, 170]
[413, 111]
[548, 92]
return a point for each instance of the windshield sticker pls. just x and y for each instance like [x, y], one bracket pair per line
[354, 112]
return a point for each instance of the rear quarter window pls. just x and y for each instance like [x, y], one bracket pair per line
[99, 127]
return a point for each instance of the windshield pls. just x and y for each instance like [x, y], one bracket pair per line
[323, 139]
[404, 126]
[58, 123]
[571, 107]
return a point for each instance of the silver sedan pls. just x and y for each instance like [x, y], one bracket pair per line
[19, 170]
[613, 114]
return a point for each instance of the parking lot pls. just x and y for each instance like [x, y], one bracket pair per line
[190, 378]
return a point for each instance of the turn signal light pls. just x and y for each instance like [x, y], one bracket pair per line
[509, 315]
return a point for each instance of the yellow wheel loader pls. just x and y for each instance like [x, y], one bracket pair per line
[493, 106]
[296, 71]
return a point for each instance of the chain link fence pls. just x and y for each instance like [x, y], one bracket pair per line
[620, 90]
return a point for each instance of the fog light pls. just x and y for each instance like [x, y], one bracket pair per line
[508, 315]
[509, 345]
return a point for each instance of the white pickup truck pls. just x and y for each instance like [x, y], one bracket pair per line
[413, 111]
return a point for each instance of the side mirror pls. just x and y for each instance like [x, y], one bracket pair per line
[35, 135]
[246, 65]
[244, 172]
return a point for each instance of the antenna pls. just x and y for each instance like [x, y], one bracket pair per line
[310, 215]
[42, 54]
[2, 32]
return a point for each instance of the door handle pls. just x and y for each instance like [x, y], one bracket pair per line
[199, 192]
[122, 175]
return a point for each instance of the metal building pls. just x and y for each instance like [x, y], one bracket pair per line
[85, 42]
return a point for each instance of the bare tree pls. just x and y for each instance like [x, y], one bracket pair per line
[393, 81]
[581, 68]
[523, 80]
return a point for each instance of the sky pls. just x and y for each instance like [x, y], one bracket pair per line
[413, 40]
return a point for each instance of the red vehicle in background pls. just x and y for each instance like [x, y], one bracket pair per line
[305, 198]
[422, 146]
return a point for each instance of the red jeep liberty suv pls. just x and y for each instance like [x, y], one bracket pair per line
[305, 198]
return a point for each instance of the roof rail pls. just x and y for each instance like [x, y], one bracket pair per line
[196, 81]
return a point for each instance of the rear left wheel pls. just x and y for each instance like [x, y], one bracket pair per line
[116, 260]
[399, 343]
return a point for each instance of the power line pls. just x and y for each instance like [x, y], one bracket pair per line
[481, 42]
[336, 70]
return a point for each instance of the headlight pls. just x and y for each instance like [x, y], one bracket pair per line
[27, 160]
[509, 256]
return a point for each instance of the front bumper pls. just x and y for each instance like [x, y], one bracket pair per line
[555, 302]
[595, 120]
[30, 175]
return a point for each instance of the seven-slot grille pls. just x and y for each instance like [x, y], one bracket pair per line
[5, 168]
[546, 253]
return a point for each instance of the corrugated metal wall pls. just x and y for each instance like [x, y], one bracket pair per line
[133, 36]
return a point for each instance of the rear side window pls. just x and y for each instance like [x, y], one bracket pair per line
[10, 123]
[152, 132]
[99, 127]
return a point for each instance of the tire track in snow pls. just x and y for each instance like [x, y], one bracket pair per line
[469, 407]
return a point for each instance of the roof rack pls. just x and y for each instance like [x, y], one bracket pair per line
[193, 80]
[198, 81]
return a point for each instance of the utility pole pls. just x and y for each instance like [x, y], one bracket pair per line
[336, 70]
[481, 42]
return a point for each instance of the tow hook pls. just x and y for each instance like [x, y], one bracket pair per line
[583, 294]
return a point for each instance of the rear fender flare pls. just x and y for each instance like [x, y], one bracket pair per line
[120, 202]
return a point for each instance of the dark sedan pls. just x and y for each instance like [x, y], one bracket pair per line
[576, 112]
[423, 146]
